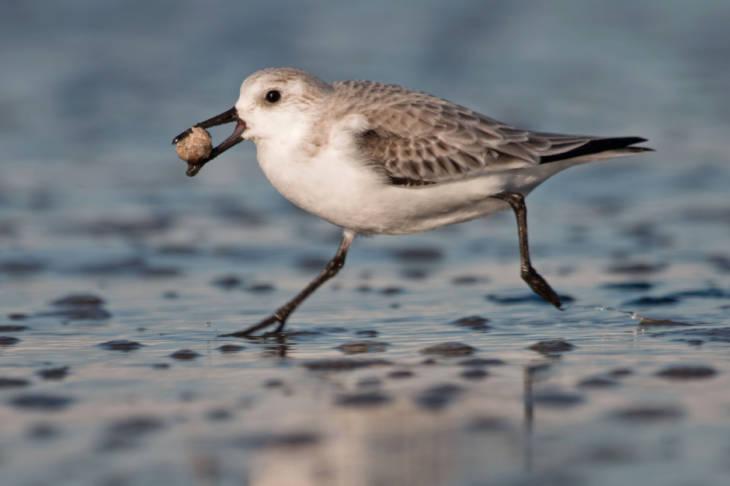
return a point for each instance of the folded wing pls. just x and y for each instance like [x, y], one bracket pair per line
[414, 138]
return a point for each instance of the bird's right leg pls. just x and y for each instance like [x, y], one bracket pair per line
[536, 282]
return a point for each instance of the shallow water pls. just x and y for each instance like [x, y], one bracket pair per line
[113, 263]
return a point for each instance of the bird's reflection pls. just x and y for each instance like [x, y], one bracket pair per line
[277, 345]
[532, 374]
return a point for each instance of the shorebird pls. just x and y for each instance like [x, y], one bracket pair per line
[376, 158]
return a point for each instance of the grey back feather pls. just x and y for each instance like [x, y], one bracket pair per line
[420, 138]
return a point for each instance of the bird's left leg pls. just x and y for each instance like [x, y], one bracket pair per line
[536, 282]
[282, 313]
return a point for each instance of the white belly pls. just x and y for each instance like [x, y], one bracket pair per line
[351, 195]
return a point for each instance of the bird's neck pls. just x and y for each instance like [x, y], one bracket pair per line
[293, 138]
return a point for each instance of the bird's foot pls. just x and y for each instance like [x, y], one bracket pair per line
[268, 322]
[540, 286]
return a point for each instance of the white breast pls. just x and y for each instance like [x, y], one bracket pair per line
[327, 181]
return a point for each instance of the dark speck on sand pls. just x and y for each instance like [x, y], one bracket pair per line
[125, 433]
[41, 402]
[43, 431]
[359, 347]
[481, 362]
[230, 348]
[715, 334]
[475, 323]
[343, 364]
[438, 397]
[414, 273]
[228, 282]
[292, 439]
[185, 355]
[487, 424]
[400, 374]
[79, 307]
[636, 268]
[474, 374]
[13, 328]
[598, 382]
[649, 301]
[620, 372]
[369, 382]
[524, 298]
[13, 382]
[557, 399]
[273, 383]
[8, 340]
[468, 280]
[449, 350]
[218, 414]
[640, 414]
[79, 300]
[260, 288]
[21, 267]
[392, 290]
[58, 373]
[629, 286]
[687, 372]
[552, 346]
[135, 426]
[649, 322]
[363, 400]
[120, 345]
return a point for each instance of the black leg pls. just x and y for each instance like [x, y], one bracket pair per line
[282, 313]
[538, 284]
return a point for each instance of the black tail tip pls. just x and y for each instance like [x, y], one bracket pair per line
[598, 145]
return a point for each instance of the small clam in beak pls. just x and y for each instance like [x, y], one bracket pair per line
[228, 116]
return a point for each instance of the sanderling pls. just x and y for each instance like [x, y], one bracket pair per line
[377, 158]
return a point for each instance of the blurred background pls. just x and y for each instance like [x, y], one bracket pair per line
[95, 204]
[107, 83]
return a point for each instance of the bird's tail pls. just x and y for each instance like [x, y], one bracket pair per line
[599, 148]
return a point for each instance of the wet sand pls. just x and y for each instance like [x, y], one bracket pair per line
[105, 364]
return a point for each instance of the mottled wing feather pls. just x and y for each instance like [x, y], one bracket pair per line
[419, 138]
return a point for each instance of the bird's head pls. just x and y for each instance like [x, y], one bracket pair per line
[272, 103]
[278, 102]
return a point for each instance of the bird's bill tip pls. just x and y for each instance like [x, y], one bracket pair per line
[228, 116]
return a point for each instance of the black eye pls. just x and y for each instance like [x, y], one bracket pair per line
[273, 96]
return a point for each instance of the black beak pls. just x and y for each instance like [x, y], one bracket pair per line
[228, 116]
